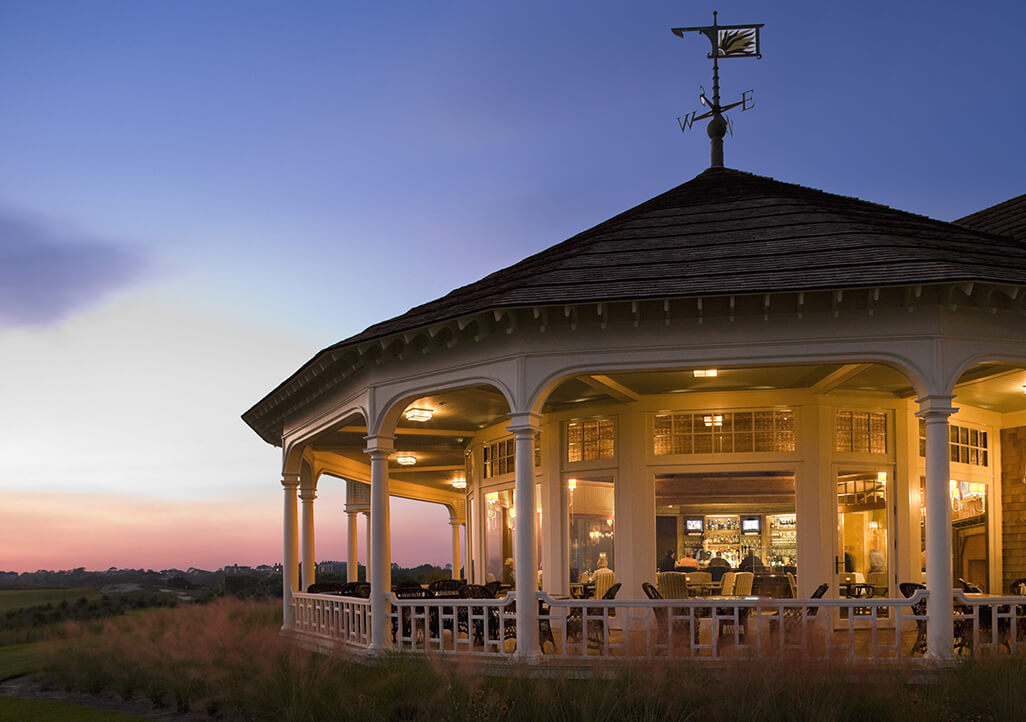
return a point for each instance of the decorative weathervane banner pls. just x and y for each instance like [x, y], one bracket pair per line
[728, 41]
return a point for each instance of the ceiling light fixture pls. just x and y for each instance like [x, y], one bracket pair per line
[459, 483]
[406, 460]
[705, 373]
[419, 414]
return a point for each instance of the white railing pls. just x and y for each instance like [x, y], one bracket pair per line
[702, 629]
[329, 616]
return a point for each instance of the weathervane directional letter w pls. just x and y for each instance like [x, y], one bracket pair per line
[687, 121]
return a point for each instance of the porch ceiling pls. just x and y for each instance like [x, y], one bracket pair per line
[439, 444]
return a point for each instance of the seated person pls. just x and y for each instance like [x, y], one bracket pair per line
[667, 563]
[603, 578]
[751, 563]
[687, 564]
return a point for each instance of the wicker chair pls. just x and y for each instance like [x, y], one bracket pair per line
[793, 615]
[727, 583]
[1018, 588]
[743, 583]
[446, 588]
[679, 625]
[464, 616]
[413, 591]
[355, 589]
[324, 588]
[672, 585]
[581, 620]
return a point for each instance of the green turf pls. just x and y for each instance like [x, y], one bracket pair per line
[19, 659]
[18, 598]
[30, 710]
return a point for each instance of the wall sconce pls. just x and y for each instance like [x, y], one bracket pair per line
[571, 484]
[419, 414]
[406, 460]
[704, 373]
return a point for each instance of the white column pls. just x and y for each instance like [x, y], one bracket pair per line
[455, 548]
[367, 546]
[290, 551]
[935, 410]
[352, 560]
[307, 494]
[524, 426]
[378, 448]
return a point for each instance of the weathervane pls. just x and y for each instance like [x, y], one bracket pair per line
[728, 41]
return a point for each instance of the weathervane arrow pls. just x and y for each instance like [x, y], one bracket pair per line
[728, 41]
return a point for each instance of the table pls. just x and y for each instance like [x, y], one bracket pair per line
[857, 590]
[581, 590]
[703, 589]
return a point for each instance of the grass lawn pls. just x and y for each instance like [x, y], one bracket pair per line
[29, 710]
[18, 598]
[19, 659]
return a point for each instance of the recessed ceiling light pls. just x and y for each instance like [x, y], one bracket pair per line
[419, 414]
[459, 483]
[406, 460]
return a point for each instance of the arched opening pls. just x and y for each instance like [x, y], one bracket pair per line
[987, 455]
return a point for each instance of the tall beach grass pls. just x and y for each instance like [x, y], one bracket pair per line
[229, 660]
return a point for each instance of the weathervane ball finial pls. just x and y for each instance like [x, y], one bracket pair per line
[717, 127]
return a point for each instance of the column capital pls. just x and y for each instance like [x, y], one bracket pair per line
[379, 443]
[288, 480]
[308, 493]
[935, 407]
[524, 423]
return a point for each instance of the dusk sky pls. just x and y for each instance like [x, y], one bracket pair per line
[197, 196]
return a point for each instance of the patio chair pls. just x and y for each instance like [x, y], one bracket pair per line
[672, 585]
[681, 625]
[324, 588]
[1018, 588]
[792, 584]
[793, 615]
[493, 588]
[356, 589]
[446, 588]
[413, 591]
[962, 628]
[471, 621]
[970, 587]
[700, 582]
[582, 620]
[743, 583]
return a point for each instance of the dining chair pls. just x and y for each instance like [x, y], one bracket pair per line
[792, 583]
[728, 583]
[672, 585]
[743, 583]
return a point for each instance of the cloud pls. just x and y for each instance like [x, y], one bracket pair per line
[47, 273]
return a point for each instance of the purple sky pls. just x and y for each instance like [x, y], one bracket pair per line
[195, 197]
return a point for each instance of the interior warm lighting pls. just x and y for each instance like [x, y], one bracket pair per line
[571, 484]
[406, 460]
[713, 420]
[459, 483]
[1024, 389]
[512, 512]
[881, 476]
[704, 373]
[419, 414]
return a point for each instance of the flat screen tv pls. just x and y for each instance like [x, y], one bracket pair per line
[694, 526]
[750, 525]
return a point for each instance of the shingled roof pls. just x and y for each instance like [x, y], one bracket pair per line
[725, 232]
[730, 232]
[1008, 218]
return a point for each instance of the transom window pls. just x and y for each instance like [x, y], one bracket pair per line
[966, 444]
[498, 457]
[861, 431]
[724, 432]
[590, 440]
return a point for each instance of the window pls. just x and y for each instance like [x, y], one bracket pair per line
[724, 432]
[590, 440]
[498, 458]
[861, 431]
[966, 444]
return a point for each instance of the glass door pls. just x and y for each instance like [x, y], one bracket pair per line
[861, 559]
